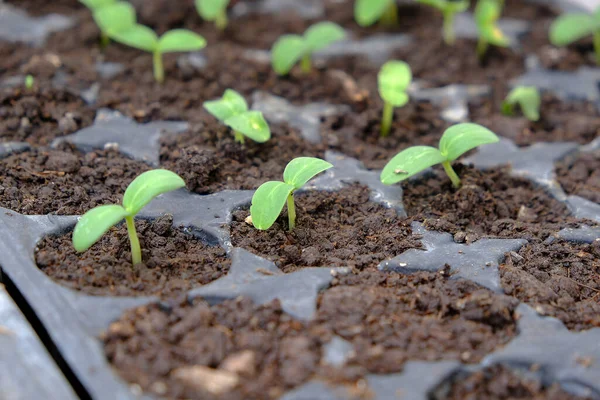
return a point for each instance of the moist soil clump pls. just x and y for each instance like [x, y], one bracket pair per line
[263, 352]
[209, 160]
[559, 279]
[333, 229]
[173, 262]
[581, 176]
[574, 121]
[65, 181]
[488, 204]
[500, 383]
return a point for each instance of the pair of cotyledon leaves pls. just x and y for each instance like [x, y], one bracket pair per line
[487, 14]
[528, 98]
[210, 10]
[569, 28]
[393, 81]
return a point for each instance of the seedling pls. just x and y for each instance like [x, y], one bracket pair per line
[143, 38]
[487, 14]
[394, 79]
[289, 49]
[111, 15]
[232, 110]
[367, 12]
[269, 198]
[448, 8]
[97, 221]
[569, 28]
[528, 98]
[213, 10]
[29, 81]
[455, 141]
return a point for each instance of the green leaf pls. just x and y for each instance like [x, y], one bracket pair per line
[439, 4]
[460, 138]
[322, 34]
[267, 203]
[457, 6]
[180, 40]
[302, 169]
[232, 103]
[116, 17]
[495, 36]
[394, 79]
[286, 52]
[209, 10]
[138, 36]
[94, 223]
[487, 12]
[251, 124]
[409, 162]
[147, 186]
[569, 28]
[528, 98]
[96, 4]
[367, 12]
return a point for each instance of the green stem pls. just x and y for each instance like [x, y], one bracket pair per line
[136, 251]
[306, 63]
[448, 30]
[386, 119]
[104, 40]
[159, 71]
[451, 174]
[238, 137]
[291, 211]
[597, 46]
[390, 15]
[482, 46]
[221, 20]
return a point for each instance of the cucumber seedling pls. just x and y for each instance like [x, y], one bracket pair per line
[289, 49]
[232, 110]
[456, 140]
[571, 27]
[487, 14]
[367, 12]
[111, 16]
[448, 8]
[143, 38]
[29, 81]
[214, 11]
[528, 98]
[270, 197]
[394, 79]
[97, 221]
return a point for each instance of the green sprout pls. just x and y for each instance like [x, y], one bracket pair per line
[29, 81]
[270, 197]
[448, 8]
[487, 14]
[97, 221]
[528, 98]
[456, 140]
[143, 38]
[289, 49]
[111, 16]
[394, 79]
[213, 10]
[367, 12]
[569, 28]
[232, 110]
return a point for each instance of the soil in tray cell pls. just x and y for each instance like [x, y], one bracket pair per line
[581, 176]
[333, 229]
[259, 352]
[173, 262]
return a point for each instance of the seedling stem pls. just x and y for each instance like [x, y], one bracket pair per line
[306, 64]
[390, 16]
[482, 46]
[386, 122]
[159, 71]
[221, 21]
[291, 211]
[104, 40]
[597, 46]
[136, 251]
[451, 174]
[448, 29]
[238, 137]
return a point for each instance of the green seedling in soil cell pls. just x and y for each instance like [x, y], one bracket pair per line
[394, 79]
[29, 81]
[487, 14]
[97, 221]
[528, 98]
[214, 11]
[143, 38]
[270, 197]
[571, 27]
[111, 16]
[232, 110]
[455, 141]
[367, 12]
[448, 8]
[289, 49]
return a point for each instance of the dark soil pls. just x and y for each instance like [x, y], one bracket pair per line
[559, 279]
[64, 181]
[489, 203]
[575, 121]
[173, 262]
[500, 383]
[333, 229]
[581, 176]
[388, 318]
